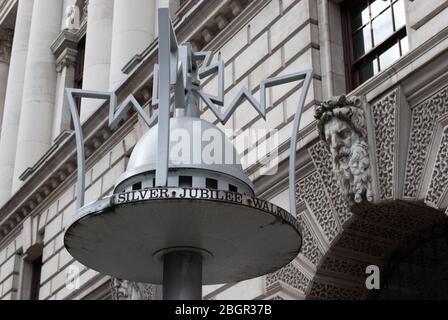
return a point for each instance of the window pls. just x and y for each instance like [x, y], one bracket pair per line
[30, 273]
[36, 269]
[79, 69]
[375, 38]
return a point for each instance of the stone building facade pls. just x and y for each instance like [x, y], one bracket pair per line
[390, 55]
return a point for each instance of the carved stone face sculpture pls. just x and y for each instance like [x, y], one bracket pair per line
[340, 138]
[125, 290]
[128, 290]
[342, 128]
[119, 289]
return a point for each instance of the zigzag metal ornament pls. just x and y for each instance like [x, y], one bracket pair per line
[177, 76]
[115, 115]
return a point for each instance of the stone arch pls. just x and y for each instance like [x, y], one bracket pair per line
[375, 234]
[408, 146]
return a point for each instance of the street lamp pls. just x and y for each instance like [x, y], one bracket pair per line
[176, 218]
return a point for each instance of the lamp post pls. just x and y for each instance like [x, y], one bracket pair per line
[182, 222]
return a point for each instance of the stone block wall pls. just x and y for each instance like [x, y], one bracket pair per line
[57, 263]
[425, 19]
[282, 38]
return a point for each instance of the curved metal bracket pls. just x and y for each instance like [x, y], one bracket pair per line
[114, 118]
[293, 145]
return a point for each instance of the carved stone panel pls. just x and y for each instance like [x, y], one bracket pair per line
[360, 245]
[313, 192]
[378, 231]
[398, 215]
[424, 120]
[439, 181]
[322, 290]
[310, 249]
[384, 114]
[290, 275]
[344, 266]
[322, 160]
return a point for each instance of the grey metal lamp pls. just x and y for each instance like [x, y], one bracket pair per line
[183, 223]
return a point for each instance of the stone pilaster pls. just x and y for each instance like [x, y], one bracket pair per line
[13, 99]
[65, 50]
[98, 52]
[133, 31]
[5, 55]
[36, 118]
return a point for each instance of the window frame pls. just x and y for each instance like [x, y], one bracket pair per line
[352, 65]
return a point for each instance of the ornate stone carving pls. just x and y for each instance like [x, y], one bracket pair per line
[384, 117]
[424, 119]
[439, 181]
[378, 231]
[361, 245]
[72, 17]
[65, 50]
[310, 250]
[290, 275]
[67, 61]
[328, 291]
[312, 190]
[344, 266]
[342, 126]
[374, 233]
[322, 160]
[399, 214]
[128, 290]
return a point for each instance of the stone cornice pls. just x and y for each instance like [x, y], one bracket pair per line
[67, 39]
[66, 60]
[65, 47]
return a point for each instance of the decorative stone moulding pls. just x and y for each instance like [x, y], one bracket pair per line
[342, 127]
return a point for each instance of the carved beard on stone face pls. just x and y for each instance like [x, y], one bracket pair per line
[345, 147]
[126, 290]
[120, 289]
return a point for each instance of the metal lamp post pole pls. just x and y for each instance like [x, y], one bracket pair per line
[182, 276]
